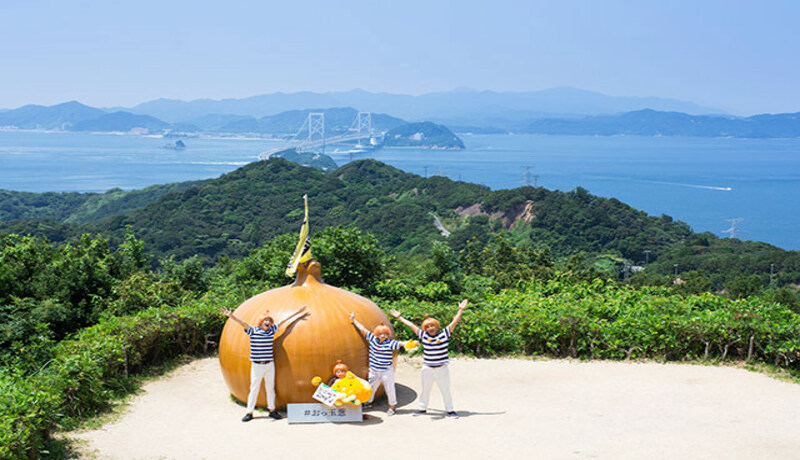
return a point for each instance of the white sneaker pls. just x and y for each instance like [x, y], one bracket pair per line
[390, 412]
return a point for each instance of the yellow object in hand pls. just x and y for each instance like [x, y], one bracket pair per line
[411, 346]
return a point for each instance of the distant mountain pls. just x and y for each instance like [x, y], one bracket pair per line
[74, 116]
[653, 123]
[461, 106]
[123, 122]
[423, 135]
[62, 116]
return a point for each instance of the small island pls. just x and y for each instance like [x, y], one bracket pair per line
[177, 145]
[425, 135]
[315, 160]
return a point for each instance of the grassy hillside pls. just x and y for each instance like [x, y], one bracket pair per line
[236, 213]
[73, 207]
[233, 214]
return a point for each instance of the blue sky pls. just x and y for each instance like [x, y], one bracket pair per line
[733, 55]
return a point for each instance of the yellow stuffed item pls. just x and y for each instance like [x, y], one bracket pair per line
[356, 390]
[411, 346]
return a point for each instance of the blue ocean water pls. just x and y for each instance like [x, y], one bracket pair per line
[701, 181]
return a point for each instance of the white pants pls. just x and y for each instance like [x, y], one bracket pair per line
[258, 372]
[440, 375]
[376, 378]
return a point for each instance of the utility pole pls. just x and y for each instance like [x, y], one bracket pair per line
[646, 257]
[676, 270]
[535, 180]
[426, 172]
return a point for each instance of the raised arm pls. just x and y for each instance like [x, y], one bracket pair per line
[229, 313]
[408, 323]
[284, 320]
[461, 306]
[358, 325]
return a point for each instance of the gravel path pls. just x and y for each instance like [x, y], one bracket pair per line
[510, 408]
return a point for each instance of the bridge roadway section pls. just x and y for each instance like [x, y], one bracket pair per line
[307, 145]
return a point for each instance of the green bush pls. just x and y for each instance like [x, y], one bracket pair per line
[87, 370]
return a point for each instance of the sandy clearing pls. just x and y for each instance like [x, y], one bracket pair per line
[509, 408]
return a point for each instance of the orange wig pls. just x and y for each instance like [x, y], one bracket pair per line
[382, 329]
[265, 316]
[429, 320]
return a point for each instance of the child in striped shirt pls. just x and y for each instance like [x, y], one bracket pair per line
[381, 349]
[435, 357]
[262, 364]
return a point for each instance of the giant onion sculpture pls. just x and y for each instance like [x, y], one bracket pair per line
[306, 346]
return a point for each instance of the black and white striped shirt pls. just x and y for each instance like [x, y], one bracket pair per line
[261, 342]
[434, 347]
[380, 353]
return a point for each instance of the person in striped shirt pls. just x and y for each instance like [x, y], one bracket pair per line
[381, 352]
[262, 364]
[435, 357]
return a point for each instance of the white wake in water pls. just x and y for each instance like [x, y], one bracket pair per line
[678, 184]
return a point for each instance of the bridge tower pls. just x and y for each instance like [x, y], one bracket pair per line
[364, 123]
[316, 125]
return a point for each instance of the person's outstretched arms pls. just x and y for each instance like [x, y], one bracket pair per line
[229, 313]
[461, 306]
[301, 310]
[408, 323]
[358, 325]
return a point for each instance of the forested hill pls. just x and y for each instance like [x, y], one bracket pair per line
[81, 207]
[237, 212]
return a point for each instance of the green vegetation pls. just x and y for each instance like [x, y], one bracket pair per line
[85, 308]
[315, 160]
[80, 208]
[423, 135]
[81, 321]
[231, 216]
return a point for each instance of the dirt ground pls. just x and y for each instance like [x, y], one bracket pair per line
[509, 408]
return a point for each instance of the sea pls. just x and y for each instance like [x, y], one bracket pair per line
[747, 188]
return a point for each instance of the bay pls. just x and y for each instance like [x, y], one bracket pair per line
[702, 181]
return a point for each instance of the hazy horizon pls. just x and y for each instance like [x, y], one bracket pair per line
[713, 110]
[735, 56]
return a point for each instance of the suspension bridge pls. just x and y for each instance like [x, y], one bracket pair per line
[311, 137]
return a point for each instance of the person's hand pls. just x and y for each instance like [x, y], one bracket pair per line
[225, 311]
[352, 317]
[394, 313]
[302, 309]
[463, 304]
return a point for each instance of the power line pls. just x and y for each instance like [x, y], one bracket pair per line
[733, 230]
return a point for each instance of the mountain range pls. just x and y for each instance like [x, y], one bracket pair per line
[460, 106]
[561, 111]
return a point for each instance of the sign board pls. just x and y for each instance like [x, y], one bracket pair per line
[318, 413]
[326, 395]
